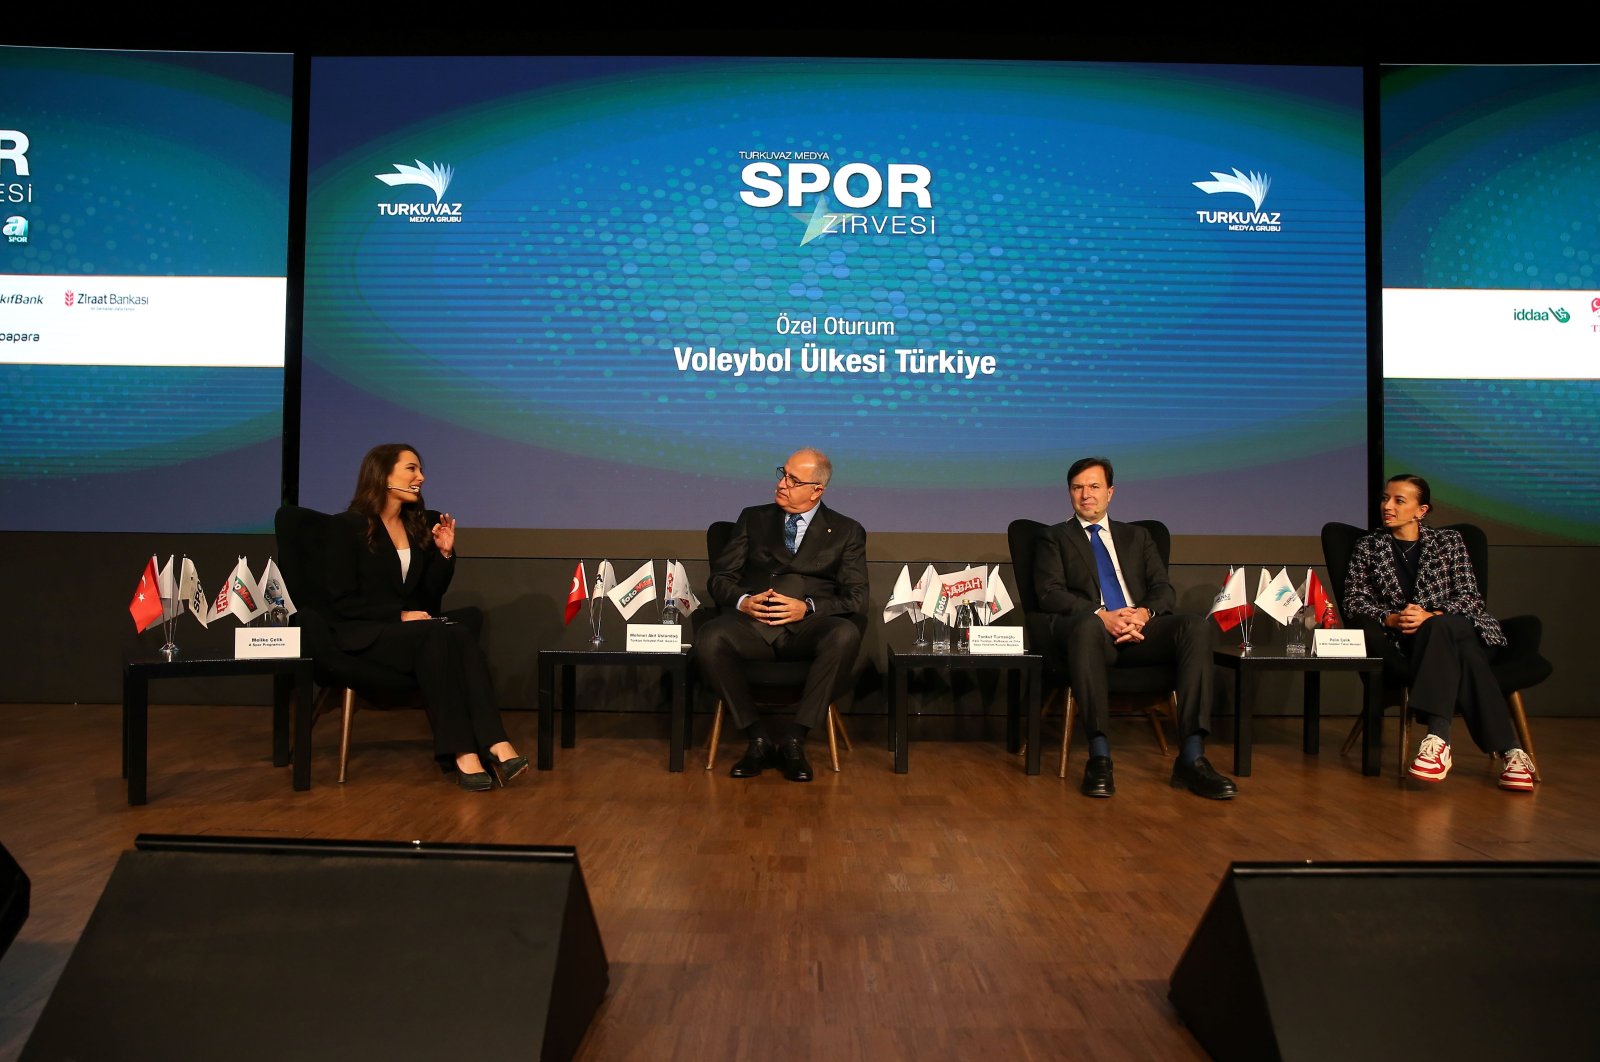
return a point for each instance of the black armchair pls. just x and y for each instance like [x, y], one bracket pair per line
[1518, 666]
[1155, 680]
[776, 679]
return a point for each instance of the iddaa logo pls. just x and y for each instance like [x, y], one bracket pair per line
[15, 229]
[1559, 314]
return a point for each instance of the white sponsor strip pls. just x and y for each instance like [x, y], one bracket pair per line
[229, 322]
[1490, 334]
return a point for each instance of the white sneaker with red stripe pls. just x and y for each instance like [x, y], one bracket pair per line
[1433, 759]
[1518, 773]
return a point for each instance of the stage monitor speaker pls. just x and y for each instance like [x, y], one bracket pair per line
[13, 899]
[236, 948]
[1339, 961]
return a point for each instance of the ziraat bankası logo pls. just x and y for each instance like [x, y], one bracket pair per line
[895, 199]
[436, 178]
[1254, 187]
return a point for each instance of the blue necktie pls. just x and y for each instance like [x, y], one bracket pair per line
[791, 528]
[1110, 589]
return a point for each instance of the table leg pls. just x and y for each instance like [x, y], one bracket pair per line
[1311, 738]
[547, 714]
[136, 730]
[304, 716]
[898, 710]
[1372, 732]
[1033, 681]
[569, 707]
[1241, 724]
[282, 691]
[677, 740]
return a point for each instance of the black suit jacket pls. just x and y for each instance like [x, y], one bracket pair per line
[1067, 580]
[830, 568]
[365, 591]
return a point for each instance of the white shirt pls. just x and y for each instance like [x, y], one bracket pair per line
[405, 562]
[1111, 548]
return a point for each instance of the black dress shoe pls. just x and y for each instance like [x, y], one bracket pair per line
[506, 770]
[1097, 780]
[1202, 779]
[760, 754]
[477, 782]
[792, 758]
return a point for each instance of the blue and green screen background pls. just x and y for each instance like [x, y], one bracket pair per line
[1491, 179]
[527, 350]
[144, 164]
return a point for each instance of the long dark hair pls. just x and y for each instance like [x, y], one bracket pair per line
[372, 491]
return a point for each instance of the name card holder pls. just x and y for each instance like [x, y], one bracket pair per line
[655, 638]
[996, 641]
[263, 643]
[1338, 643]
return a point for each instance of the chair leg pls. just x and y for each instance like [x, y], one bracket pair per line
[1354, 736]
[716, 735]
[344, 732]
[844, 735]
[1068, 715]
[1155, 721]
[1405, 732]
[1519, 719]
[833, 737]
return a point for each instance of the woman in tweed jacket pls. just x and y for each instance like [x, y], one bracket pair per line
[1413, 587]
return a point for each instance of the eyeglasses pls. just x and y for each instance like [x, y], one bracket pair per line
[786, 480]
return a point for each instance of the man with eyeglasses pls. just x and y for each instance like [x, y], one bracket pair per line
[787, 581]
[1105, 588]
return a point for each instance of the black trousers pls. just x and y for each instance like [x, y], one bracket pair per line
[453, 674]
[1448, 669]
[1091, 652]
[724, 644]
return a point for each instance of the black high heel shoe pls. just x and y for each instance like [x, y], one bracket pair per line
[477, 782]
[506, 770]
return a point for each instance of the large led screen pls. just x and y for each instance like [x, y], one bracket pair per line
[144, 201]
[1491, 309]
[601, 292]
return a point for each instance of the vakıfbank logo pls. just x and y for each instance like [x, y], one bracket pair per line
[1253, 186]
[15, 229]
[857, 186]
[436, 178]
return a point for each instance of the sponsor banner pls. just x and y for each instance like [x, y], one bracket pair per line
[1491, 334]
[230, 322]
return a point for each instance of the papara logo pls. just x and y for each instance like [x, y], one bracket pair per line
[1252, 186]
[436, 177]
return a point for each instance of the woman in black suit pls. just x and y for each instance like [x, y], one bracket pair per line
[389, 561]
[1413, 590]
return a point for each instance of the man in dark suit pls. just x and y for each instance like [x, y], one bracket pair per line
[1105, 588]
[787, 581]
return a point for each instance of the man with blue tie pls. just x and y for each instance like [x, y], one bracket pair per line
[790, 575]
[1105, 589]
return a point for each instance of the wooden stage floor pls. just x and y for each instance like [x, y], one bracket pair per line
[961, 911]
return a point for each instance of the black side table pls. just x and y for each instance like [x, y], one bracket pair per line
[567, 661]
[1256, 660]
[1023, 681]
[291, 675]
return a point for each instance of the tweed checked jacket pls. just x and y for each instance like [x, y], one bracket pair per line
[1445, 582]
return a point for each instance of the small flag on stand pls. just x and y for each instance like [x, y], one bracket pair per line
[239, 595]
[946, 592]
[578, 594]
[635, 591]
[193, 597]
[274, 592]
[166, 582]
[1230, 607]
[605, 577]
[679, 593]
[901, 600]
[146, 604]
[1278, 598]
[1322, 611]
[999, 602]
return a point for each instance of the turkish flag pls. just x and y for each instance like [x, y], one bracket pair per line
[146, 604]
[1322, 611]
[579, 592]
